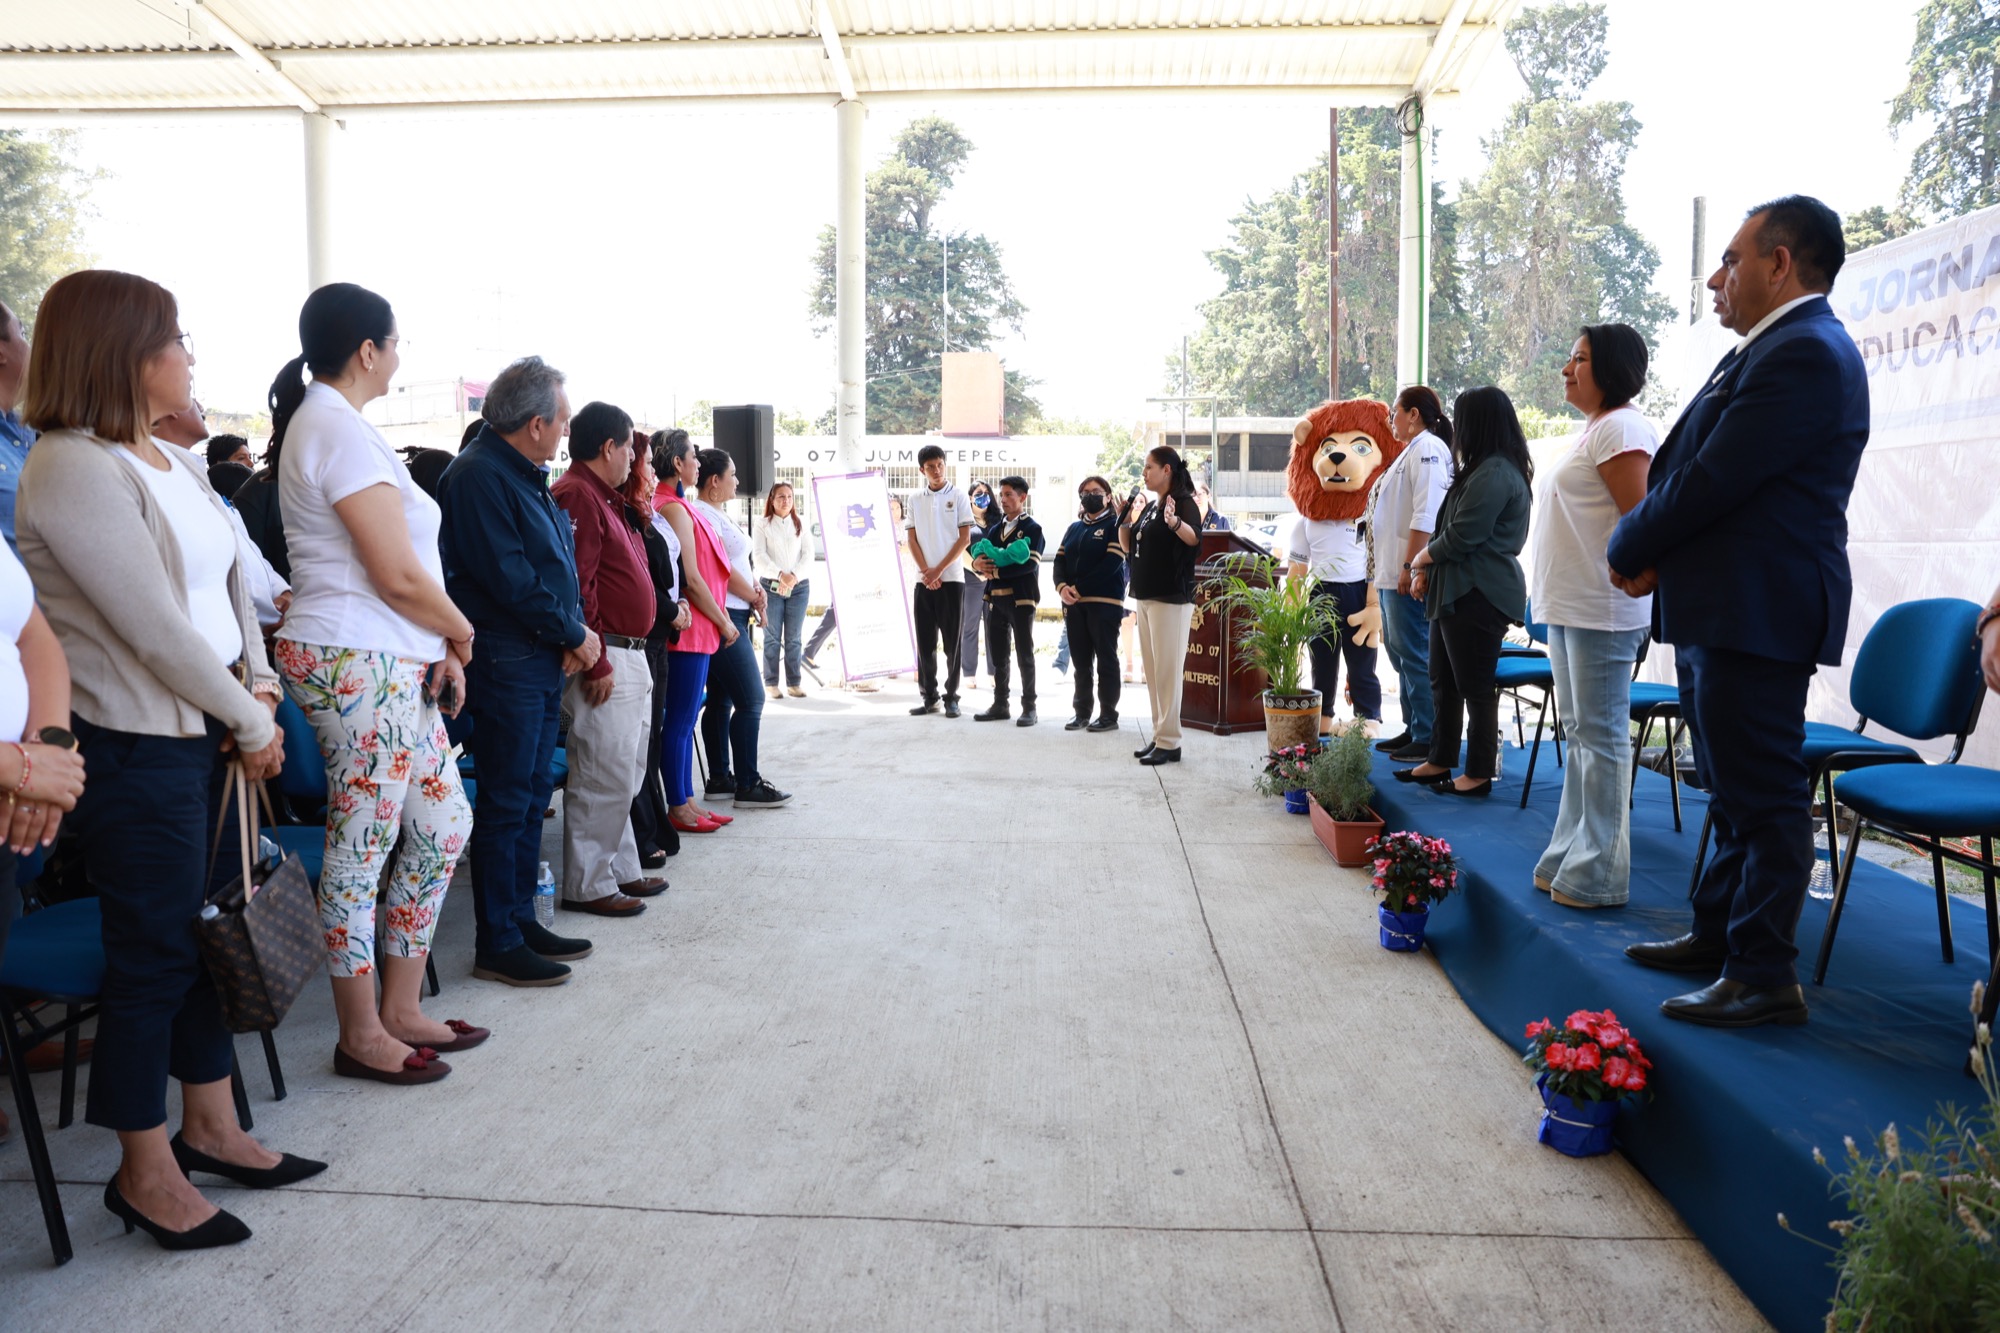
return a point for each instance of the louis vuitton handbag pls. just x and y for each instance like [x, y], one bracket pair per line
[260, 934]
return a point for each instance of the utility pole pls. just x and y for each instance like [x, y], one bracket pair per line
[1695, 286]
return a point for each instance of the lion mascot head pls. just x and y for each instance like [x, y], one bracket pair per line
[1338, 451]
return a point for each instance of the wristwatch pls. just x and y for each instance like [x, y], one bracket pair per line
[58, 737]
[1986, 617]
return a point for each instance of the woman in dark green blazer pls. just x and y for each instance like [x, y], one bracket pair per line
[1473, 589]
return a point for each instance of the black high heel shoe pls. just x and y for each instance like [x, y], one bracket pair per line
[289, 1170]
[222, 1229]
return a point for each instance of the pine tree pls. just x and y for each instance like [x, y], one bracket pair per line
[1955, 87]
[908, 322]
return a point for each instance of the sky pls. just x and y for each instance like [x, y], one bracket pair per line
[663, 257]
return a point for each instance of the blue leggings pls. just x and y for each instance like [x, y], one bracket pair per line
[687, 676]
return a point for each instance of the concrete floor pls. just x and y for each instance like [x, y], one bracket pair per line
[991, 1028]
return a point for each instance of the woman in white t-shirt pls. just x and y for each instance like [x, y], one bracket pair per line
[374, 652]
[1595, 631]
[784, 557]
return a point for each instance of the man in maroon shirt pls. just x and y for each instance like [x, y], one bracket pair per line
[608, 703]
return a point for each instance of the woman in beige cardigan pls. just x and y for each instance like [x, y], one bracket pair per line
[135, 565]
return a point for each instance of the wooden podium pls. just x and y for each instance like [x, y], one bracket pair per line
[1220, 692]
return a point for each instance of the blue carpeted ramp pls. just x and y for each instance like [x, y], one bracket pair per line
[1729, 1135]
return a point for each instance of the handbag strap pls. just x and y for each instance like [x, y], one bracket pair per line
[246, 825]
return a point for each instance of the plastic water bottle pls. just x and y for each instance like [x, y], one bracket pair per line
[1821, 883]
[545, 898]
[268, 851]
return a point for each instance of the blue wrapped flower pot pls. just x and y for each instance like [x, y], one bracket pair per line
[1402, 932]
[1295, 803]
[1577, 1129]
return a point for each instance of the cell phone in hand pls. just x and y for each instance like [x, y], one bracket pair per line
[447, 699]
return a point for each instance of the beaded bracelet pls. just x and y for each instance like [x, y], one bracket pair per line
[27, 767]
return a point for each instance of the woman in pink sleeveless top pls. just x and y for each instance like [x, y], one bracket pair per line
[707, 571]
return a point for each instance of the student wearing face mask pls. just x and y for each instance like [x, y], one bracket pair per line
[985, 510]
[1090, 580]
[1012, 590]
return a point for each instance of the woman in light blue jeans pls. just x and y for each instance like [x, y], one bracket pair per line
[784, 553]
[1596, 632]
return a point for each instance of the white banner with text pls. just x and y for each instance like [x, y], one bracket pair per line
[870, 594]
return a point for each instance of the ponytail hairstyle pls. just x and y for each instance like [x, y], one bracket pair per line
[1180, 483]
[714, 463]
[670, 446]
[1428, 406]
[333, 324]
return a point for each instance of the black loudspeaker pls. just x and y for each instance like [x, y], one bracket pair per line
[745, 434]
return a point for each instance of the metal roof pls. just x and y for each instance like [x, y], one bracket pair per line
[77, 56]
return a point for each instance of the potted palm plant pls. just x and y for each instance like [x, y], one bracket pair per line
[1340, 792]
[1278, 617]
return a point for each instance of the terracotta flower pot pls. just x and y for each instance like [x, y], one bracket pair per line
[1346, 840]
[1291, 719]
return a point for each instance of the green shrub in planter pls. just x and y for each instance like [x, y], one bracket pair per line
[1340, 775]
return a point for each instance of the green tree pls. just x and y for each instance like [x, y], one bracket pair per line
[911, 319]
[1872, 226]
[1262, 344]
[1954, 87]
[42, 198]
[1544, 238]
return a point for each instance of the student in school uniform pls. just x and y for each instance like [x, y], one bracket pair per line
[1089, 575]
[1012, 592]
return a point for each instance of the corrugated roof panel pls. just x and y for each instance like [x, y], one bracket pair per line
[375, 52]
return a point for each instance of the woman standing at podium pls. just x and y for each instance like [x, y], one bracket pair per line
[1161, 538]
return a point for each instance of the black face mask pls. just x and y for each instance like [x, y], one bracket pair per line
[1093, 503]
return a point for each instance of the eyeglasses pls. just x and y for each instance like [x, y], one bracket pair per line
[186, 340]
[396, 338]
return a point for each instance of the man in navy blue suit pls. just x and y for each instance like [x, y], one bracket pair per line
[1742, 539]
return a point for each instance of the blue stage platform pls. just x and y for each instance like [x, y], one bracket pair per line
[1729, 1134]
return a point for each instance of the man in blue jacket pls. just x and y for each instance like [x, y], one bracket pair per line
[1742, 538]
[510, 564]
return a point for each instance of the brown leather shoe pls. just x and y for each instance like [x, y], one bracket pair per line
[47, 1057]
[611, 904]
[649, 887]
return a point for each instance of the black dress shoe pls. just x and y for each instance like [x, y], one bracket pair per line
[1686, 954]
[1448, 788]
[1394, 743]
[222, 1229]
[1109, 722]
[1410, 754]
[289, 1169]
[951, 709]
[1732, 1004]
[993, 713]
[1027, 718]
[1158, 756]
[1077, 723]
[1427, 779]
[928, 706]
[1141, 754]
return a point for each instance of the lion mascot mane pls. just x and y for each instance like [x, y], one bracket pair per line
[1339, 451]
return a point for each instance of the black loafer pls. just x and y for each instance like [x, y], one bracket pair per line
[1446, 787]
[1732, 1004]
[995, 713]
[1394, 743]
[1077, 723]
[1158, 756]
[951, 710]
[1685, 954]
[1141, 754]
[1411, 775]
[1027, 718]
[929, 706]
[1109, 722]
[1410, 754]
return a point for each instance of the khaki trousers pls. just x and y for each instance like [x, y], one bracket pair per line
[1163, 640]
[607, 766]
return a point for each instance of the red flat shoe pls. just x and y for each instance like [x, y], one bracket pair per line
[699, 826]
[417, 1068]
[464, 1038]
[719, 820]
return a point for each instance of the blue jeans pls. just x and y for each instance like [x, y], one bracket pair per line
[513, 689]
[735, 708]
[787, 617]
[1589, 857]
[1407, 635]
[687, 677]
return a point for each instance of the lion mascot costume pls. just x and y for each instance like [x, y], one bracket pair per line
[1339, 451]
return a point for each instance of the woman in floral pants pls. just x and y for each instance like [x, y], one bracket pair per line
[371, 649]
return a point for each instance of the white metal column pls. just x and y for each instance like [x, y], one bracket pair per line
[1413, 277]
[850, 279]
[321, 131]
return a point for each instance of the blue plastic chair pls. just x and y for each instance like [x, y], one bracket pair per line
[1521, 671]
[1656, 704]
[1918, 674]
